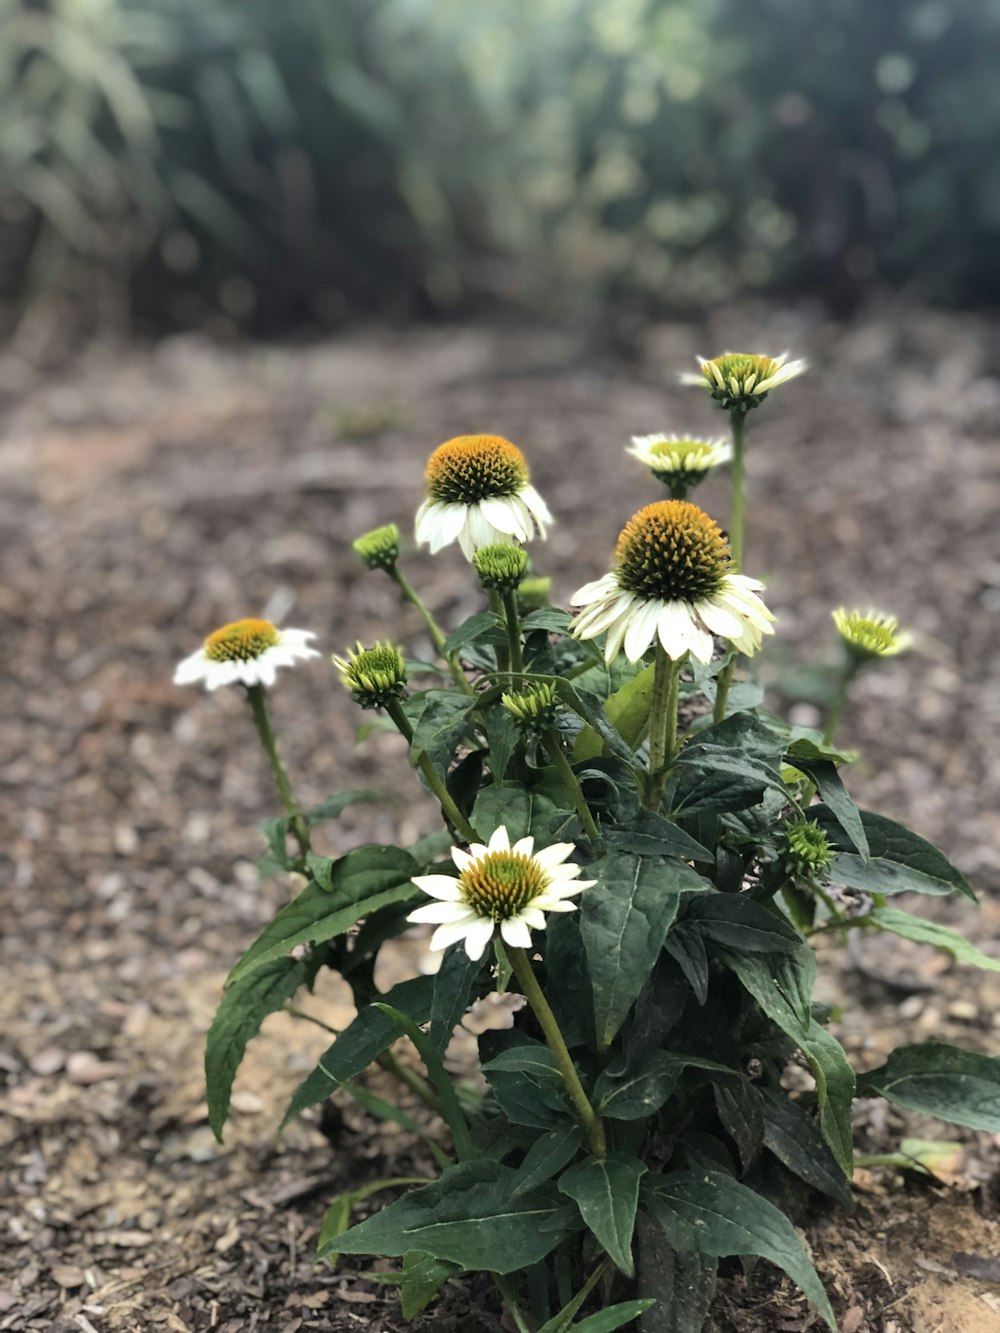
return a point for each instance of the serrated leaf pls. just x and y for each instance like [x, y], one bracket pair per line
[548, 1155]
[962, 1087]
[710, 779]
[900, 861]
[422, 1278]
[237, 1021]
[795, 1139]
[443, 719]
[706, 1212]
[502, 737]
[361, 1042]
[590, 708]
[483, 627]
[686, 947]
[624, 919]
[634, 1090]
[549, 618]
[606, 1190]
[360, 883]
[649, 834]
[470, 1217]
[454, 985]
[835, 1090]
[781, 983]
[520, 810]
[929, 932]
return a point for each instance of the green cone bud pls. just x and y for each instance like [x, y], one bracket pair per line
[379, 549]
[500, 568]
[375, 676]
[806, 854]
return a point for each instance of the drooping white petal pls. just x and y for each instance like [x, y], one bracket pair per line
[641, 630]
[717, 619]
[477, 936]
[498, 511]
[516, 933]
[595, 591]
[451, 932]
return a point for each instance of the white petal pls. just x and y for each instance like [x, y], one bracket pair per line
[702, 644]
[500, 839]
[498, 511]
[461, 859]
[439, 886]
[718, 619]
[477, 936]
[450, 932]
[438, 913]
[191, 669]
[537, 507]
[596, 619]
[524, 846]
[674, 628]
[642, 630]
[552, 855]
[533, 916]
[591, 592]
[516, 933]
[616, 637]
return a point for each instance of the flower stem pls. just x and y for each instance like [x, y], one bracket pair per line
[410, 1079]
[513, 632]
[258, 704]
[434, 779]
[839, 701]
[433, 628]
[592, 1125]
[662, 721]
[738, 426]
[572, 784]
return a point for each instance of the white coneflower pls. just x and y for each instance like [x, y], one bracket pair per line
[739, 380]
[679, 462]
[247, 651]
[499, 886]
[870, 634]
[671, 582]
[479, 494]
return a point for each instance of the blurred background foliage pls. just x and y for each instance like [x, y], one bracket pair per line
[168, 163]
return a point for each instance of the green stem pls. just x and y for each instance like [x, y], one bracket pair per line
[662, 721]
[433, 628]
[505, 1286]
[410, 1079]
[738, 426]
[572, 784]
[842, 923]
[433, 777]
[592, 1125]
[513, 632]
[839, 701]
[258, 704]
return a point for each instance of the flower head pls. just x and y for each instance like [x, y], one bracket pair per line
[246, 651]
[534, 709]
[500, 568]
[871, 634]
[479, 494]
[680, 463]
[806, 853]
[740, 380]
[379, 549]
[500, 885]
[375, 676]
[672, 582]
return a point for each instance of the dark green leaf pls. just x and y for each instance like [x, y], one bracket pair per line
[962, 1087]
[624, 920]
[686, 947]
[449, 1105]
[833, 792]
[360, 883]
[835, 1089]
[454, 988]
[635, 1091]
[736, 920]
[484, 627]
[548, 1155]
[794, 1138]
[442, 722]
[528, 1086]
[237, 1020]
[739, 1106]
[901, 862]
[606, 1190]
[422, 1279]
[469, 1217]
[590, 708]
[520, 810]
[682, 1285]
[782, 984]
[549, 618]
[709, 778]
[649, 834]
[275, 832]
[929, 932]
[706, 1212]
[502, 737]
[362, 1041]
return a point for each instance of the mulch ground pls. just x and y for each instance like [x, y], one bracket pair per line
[150, 495]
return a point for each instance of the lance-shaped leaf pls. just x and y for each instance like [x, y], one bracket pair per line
[470, 1216]
[682, 1285]
[837, 800]
[835, 1089]
[707, 1212]
[358, 884]
[795, 1139]
[929, 932]
[962, 1087]
[606, 1190]
[900, 861]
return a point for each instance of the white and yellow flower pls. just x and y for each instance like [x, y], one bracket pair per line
[740, 380]
[871, 633]
[671, 583]
[499, 886]
[680, 462]
[247, 652]
[479, 494]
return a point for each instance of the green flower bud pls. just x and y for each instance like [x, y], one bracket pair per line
[739, 381]
[375, 676]
[806, 854]
[533, 594]
[534, 710]
[379, 549]
[870, 635]
[500, 568]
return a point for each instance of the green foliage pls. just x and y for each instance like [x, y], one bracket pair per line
[959, 1086]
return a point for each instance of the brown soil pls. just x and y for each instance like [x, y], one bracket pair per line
[148, 496]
